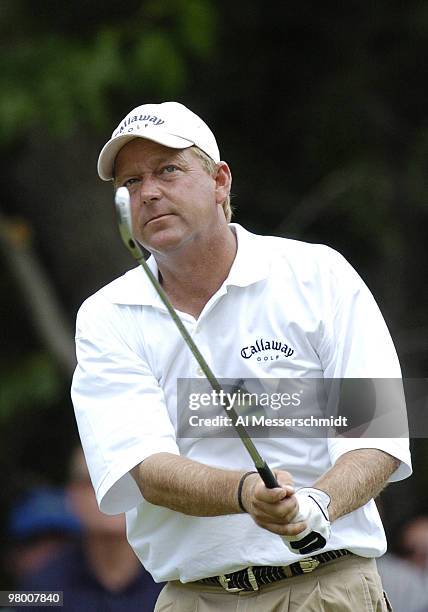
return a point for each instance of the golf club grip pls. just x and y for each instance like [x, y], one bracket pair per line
[267, 476]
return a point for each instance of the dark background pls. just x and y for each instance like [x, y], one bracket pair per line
[320, 110]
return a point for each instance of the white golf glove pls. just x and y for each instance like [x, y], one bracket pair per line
[313, 504]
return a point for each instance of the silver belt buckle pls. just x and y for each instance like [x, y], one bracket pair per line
[224, 581]
[308, 565]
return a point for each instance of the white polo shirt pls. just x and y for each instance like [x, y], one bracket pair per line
[124, 391]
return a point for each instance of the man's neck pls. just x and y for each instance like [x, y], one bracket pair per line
[191, 280]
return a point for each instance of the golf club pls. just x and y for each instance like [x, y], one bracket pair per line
[123, 211]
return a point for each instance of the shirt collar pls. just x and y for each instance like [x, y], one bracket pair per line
[251, 264]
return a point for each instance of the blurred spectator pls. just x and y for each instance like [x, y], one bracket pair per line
[406, 587]
[101, 572]
[414, 542]
[39, 526]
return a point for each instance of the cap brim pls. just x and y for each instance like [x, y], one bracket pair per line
[110, 150]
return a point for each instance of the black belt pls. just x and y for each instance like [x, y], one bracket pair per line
[251, 578]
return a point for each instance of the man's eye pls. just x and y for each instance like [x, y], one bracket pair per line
[130, 181]
[169, 169]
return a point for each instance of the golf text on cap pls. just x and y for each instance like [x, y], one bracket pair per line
[147, 118]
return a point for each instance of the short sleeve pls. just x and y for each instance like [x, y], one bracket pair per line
[119, 405]
[356, 341]
[397, 447]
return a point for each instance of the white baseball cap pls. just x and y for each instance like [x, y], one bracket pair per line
[169, 123]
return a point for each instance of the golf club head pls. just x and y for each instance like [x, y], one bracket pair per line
[124, 219]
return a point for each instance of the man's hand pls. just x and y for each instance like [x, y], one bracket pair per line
[273, 509]
[300, 518]
[313, 504]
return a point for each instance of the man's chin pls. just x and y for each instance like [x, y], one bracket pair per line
[163, 241]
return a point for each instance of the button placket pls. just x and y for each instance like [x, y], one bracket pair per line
[197, 338]
[199, 370]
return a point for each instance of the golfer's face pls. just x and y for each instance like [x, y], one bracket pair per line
[173, 198]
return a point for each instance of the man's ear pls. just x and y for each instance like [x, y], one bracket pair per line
[223, 179]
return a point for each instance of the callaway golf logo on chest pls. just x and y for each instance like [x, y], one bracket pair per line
[267, 350]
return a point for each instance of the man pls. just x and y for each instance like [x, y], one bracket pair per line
[99, 571]
[196, 517]
[414, 542]
[40, 526]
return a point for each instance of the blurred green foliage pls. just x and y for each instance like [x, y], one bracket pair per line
[32, 381]
[57, 77]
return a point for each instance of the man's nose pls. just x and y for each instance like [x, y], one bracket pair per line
[149, 191]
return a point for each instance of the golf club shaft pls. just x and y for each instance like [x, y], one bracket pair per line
[125, 227]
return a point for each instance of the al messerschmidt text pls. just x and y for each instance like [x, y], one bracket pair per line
[261, 420]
